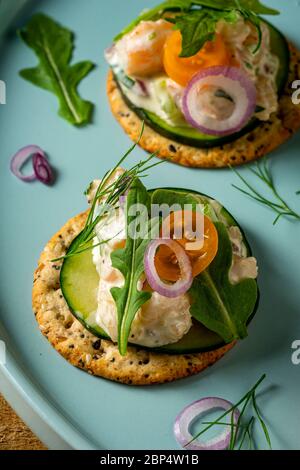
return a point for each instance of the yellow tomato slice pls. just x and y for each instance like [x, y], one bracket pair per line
[182, 69]
[201, 256]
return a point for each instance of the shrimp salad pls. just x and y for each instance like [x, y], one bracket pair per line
[215, 88]
[162, 320]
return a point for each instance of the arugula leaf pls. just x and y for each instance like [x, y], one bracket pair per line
[254, 5]
[221, 306]
[156, 13]
[130, 262]
[251, 8]
[182, 197]
[170, 197]
[53, 45]
[198, 27]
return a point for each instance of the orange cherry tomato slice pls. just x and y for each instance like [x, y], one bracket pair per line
[182, 69]
[201, 251]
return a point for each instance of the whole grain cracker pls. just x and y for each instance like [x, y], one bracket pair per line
[252, 146]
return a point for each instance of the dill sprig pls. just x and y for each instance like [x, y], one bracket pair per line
[112, 193]
[277, 204]
[249, 398]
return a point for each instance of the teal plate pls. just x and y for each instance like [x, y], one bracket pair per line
[88, 412]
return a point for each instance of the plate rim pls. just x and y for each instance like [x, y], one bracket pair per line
[36, 399]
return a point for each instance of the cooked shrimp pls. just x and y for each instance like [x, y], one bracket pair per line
[144, 48]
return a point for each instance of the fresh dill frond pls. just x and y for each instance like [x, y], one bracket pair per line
[275, 201]
[112, 193]
[85, 247]
[246, 400]
[247, 433]
[262, 423]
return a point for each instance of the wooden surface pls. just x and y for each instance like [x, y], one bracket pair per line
[14, 434]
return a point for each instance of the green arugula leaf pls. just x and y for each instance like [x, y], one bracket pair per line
[53, 45]
[170, 197]
[198, 27]
[156, 13]
[221, 306]
[253, 5]
[249, 8]
[130, 262]
[174, 196]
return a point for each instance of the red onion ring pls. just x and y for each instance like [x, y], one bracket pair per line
[42, 169]
[168, 290]
[20, 158]
[235, 83]
[192, 411]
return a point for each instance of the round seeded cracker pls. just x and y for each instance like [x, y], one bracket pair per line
[252, 146]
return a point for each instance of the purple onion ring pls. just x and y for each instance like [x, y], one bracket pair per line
[181, 286]
[20, 158]
[42, 169]
[236, 84]
[194, 410]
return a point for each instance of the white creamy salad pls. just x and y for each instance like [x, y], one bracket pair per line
[138, 56]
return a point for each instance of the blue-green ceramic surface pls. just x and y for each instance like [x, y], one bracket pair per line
[87, 411]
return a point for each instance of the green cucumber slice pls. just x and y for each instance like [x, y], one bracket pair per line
[79, 282]
[189, 136]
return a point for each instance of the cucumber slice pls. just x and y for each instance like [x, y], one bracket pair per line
[79, 282]
[190, 136]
